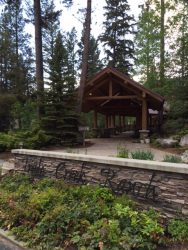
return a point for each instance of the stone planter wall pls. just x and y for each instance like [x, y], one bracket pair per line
[159, 184]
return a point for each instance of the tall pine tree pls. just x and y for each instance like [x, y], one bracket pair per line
[117, 41]
[95, 63]
[60, 120]
[16, 78]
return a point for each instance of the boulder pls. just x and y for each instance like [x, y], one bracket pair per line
[168, 143]
[7, 167]
[184, 140]
[184, 156]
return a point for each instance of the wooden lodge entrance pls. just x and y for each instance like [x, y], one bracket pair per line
[116, 96]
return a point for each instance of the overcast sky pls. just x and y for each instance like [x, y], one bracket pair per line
[70, 17]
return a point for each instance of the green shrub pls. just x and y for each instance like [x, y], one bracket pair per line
[7, 141]
[142, 155]
[122, 152]
[37, 140]
[172, 158]
[50, 214]
[181, 133]
[3, 147]
[178, 229]
[33, 139]
[172, 126]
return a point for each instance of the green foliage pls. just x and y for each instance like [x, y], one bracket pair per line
[181, 133]
[178, 229]
[148, 45]
[6, 102]
[8, 141]
[24, 114]
[16, 63]
[60, 120]
[172, 158]
[12, 183]
[142, 155]
[172, 126]
[2, 147]
[118, 25]
[50, 214]
[95, 64]
[177, 115]
[33, 139]
[122, 152]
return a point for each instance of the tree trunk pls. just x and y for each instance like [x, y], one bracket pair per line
[39, 57]
[148, 61]
[87, 27]
[162, 44]
[183, 41]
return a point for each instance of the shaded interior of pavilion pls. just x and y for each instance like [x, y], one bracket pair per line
[122, 103]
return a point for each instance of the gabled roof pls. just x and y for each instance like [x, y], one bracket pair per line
[111, 91]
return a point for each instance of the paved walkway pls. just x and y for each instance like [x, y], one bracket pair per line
[108, 147]
[5, 244]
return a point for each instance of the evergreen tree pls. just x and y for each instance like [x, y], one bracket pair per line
[156, 42]
[179, 47]
[148, 45]
[162, 42]
[50, 29]
[85, 55]
[95, 63]
[39, 57]
[16, 78]
[60, 120]
[71, 60]
[118, 46]
[15, 50]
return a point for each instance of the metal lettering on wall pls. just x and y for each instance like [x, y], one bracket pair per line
[108, 179]
[139, 189]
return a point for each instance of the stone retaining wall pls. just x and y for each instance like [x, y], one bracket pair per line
[161, 185]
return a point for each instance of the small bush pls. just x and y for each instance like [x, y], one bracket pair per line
[142, 155]
[172, 158]
[122, 152]
[181, 133]
[172, 126]
[3, 147]
[178, 229]
[33, 139]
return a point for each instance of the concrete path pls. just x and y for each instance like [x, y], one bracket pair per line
[5, 244]
[108, 147]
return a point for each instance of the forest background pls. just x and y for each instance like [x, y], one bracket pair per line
[38, 97]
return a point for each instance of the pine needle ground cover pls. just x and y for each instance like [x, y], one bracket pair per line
[50, 214]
